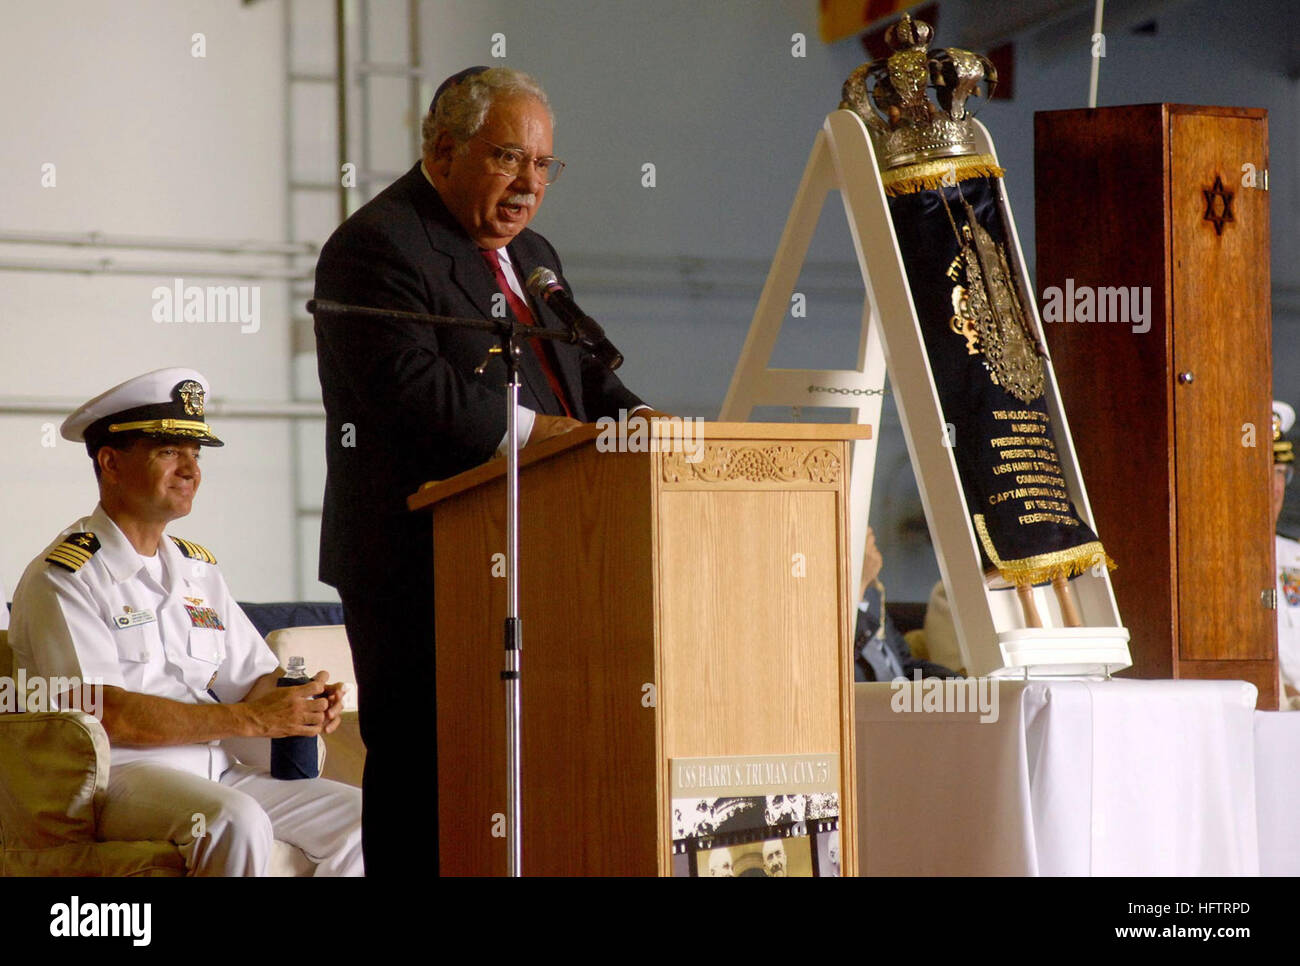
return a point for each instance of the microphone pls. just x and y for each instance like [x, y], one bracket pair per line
[545, 286]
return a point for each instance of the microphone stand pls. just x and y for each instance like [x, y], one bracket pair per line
[514, 630]
[509, 335]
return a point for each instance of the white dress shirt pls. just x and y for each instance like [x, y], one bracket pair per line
[524, 416]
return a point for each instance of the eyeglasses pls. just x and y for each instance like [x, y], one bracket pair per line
[510, 160]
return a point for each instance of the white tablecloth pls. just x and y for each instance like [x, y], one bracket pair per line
[1277, 791]
[1073, 778]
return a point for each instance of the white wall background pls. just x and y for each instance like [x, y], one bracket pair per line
[150, 140]
[146, 140]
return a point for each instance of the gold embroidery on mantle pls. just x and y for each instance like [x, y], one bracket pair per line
[779, 462]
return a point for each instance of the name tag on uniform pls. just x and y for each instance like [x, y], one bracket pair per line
[135, 618]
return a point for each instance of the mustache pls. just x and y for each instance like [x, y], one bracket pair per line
[528, 200]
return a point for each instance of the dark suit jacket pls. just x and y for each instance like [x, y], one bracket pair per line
[880, 651]
[402, 402]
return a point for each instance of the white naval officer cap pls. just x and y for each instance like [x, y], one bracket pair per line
[164, 403]
[1283, 420]
[1284, 414]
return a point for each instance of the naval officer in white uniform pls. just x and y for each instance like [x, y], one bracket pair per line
[1288, 563]
[115, 597]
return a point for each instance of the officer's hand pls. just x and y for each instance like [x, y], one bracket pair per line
[289, 712]
[544, 427]
[333, 693]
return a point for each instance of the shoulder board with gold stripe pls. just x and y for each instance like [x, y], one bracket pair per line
[74, 552]
[193, 550]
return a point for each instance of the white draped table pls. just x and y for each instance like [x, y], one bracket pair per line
[1117, 777]
[1277, 791]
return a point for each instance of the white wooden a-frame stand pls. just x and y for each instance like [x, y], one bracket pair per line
[990, 623]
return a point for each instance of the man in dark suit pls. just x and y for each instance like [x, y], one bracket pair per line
[880, 651]
[403, 406]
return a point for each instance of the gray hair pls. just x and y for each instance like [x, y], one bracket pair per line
[463, 108]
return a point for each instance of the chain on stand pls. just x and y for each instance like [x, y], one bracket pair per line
[850, 392]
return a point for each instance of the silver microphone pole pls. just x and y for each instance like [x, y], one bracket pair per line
[513, 628]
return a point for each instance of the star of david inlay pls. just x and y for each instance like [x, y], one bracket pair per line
[1218, 205]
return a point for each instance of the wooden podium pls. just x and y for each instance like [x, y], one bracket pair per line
[671, 609]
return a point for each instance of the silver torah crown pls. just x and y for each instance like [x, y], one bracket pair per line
[891, 95]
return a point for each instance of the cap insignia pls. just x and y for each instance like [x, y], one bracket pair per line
[191, 394]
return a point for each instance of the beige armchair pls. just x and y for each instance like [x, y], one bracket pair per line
[54, 769]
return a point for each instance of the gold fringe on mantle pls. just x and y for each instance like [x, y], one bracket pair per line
[932, 175]
[1044, 567]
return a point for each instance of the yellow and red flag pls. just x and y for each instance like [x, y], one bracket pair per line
[846, 18]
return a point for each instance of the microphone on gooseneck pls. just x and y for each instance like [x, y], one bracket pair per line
[545, 286]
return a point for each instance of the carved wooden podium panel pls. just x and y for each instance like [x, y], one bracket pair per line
[671, 609]
[1170, 198]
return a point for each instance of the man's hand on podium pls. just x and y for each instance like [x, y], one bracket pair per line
[544, 427]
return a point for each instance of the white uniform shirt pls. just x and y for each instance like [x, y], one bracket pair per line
[180, 637]
[1288, 610]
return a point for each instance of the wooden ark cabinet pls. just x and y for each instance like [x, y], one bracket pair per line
[1172, 424]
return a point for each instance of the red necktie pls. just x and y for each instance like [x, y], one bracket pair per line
[524, 315]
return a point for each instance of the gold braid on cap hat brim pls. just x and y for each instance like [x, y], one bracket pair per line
[172, 427]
